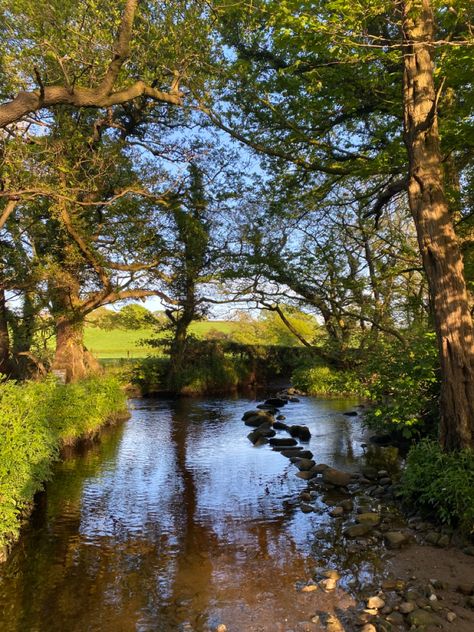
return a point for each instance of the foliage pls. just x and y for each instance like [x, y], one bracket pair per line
[404, 386]
[320, 379]
[441, 484]
[36, 420]
[129, 318]
[149, 374]
[269, 329]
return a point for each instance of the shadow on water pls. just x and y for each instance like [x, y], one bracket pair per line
[175, 521]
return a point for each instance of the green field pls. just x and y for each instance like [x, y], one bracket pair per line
[120, 343]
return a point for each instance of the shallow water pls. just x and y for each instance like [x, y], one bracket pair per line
[175, 521]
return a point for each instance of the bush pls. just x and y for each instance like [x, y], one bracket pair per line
[404, 386]
[323, 380]
[36, 420]
[441, 484]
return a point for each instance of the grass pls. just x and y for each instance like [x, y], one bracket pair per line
[36, 420]
[120, 343]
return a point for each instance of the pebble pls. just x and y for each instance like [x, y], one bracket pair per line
[406, 607]
[396, 618]
[309, 588]
[221, 628]
[450, 616]
[368, 627]
[328, 584]
[375, 602]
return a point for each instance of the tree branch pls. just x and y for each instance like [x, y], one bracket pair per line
[102, 96]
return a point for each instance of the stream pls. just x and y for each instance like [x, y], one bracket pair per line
[175, 521]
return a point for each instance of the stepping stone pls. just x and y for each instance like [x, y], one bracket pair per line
[283, 442]
[277, 402]
[301, 432]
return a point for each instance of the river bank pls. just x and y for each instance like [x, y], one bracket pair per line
[423, 578]
[40, 422]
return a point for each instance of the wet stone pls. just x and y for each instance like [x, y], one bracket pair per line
[357, 530]
[290, 452]
[375, 602]
[306, 476]
[320, 467]
[347, 504]
[336, 512]
[396, 618]
[277, 402]
[336, 477]
[406, 607]
[368, 518]
[423, 618]
[300, 432]
[396, 539]
[276, 441]
[304, 464]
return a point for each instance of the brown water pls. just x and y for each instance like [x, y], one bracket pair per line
[174, 521]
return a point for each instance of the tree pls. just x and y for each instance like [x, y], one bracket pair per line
[439, 246]
[322, 95]
[188, 266]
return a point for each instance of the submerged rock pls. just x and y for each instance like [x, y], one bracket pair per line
[424, 618]
[351, 413]
[357, 530]
[368, 518]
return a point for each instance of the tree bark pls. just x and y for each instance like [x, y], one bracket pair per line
[438, 244]
[4, 336]
[71, 356]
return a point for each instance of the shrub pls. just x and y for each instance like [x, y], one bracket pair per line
[36, 420]
[318, 379]
[404, 386]
[441, 484]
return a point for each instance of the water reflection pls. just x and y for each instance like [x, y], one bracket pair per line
[176, 520]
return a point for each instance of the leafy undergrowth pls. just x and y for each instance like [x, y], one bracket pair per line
[36, 420]
[318, 379]
[441, 484]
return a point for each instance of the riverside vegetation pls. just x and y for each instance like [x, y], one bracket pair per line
[37, 420]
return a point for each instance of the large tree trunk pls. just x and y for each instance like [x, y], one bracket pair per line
[439, 247]
[4, 336]
[69, 356]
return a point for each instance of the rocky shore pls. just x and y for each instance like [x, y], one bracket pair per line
[413, 583]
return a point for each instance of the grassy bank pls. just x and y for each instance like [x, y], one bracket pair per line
[37, 419]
